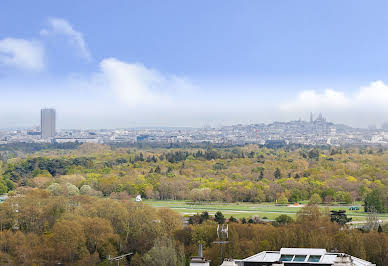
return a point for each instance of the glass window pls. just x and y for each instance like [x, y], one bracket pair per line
[314, 258]
[286, 257]
[300, 257]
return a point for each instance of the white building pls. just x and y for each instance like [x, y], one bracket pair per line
[302, 257]
[199, 261]
[80, 140]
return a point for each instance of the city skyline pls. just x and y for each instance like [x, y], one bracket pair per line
[316, 131]
[185, 65]
[310, 117]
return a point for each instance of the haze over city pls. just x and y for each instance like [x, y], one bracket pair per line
[194, 133]
[140, 65]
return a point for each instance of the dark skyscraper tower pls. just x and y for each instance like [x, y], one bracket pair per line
[47, 123]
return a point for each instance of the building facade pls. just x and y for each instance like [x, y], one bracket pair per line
[47, 123]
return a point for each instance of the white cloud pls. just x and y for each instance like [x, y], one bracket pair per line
[366, 105]
[135, 84]
[376, 95]
[22, 54]
[313, 100]
[119, 94]
[63, 27]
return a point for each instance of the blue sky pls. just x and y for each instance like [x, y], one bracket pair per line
[105, 64]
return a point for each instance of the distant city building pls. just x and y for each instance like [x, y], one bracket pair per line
[320, 119]
[47, 123]
[142, 138]
[372, 127]
[33, 133]
[80, 140]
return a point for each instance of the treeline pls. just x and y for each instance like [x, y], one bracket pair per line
[34, 147]
[207, 145]
[38, 228]
[32, 167]
[208, 154]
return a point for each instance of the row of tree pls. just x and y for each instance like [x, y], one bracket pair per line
[38, 228]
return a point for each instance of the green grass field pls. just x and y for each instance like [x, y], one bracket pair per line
[239, 210]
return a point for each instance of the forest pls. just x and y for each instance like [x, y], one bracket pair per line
[239, 174]
[42, 229]
[75, 205]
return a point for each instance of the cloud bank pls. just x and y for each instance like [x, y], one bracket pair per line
[59, 26]
[368, 104]
[135, 85]
[22, 54]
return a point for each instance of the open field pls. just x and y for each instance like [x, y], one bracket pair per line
[239, 210]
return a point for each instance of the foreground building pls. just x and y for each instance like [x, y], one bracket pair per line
[302, 257]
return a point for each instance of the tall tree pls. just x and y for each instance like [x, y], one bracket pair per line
[277, 174]
[219, 217]
[374, 202]
[339, 217]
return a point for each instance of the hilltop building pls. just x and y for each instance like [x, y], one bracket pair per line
[320, 119]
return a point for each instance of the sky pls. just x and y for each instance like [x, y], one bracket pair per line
[144, 63]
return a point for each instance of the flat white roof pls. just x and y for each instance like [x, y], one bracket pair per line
[325, 257]
[303, 251]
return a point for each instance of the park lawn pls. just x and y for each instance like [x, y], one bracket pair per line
[245, 209]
